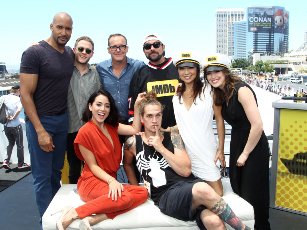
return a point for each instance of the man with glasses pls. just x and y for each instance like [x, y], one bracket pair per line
[116, 74]
[84, 81]
[159, 75]
[45, 73]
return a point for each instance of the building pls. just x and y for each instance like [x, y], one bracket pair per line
[269, 27]
[224, 29]
[242, 48]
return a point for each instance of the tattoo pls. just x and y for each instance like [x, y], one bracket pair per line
[177, 140]
[129, 143]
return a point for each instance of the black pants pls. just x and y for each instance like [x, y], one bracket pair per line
[75, 164]
[15, 135]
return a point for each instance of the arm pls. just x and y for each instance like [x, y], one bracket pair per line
[136, 125]
[19, 108]
[129, 155]
[247, 99]
[220, 133]
[28, 84]
[179, 160]
[115, 188]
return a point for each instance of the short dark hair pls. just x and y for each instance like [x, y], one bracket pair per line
[116, 35]
[85, 38]
[112, 119]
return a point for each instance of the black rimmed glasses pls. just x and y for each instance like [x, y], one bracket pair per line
[156, 45]
[120, 48]
[87, 50]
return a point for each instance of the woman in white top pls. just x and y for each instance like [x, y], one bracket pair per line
[194, 110]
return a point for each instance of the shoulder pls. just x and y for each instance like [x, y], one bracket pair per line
[176, 139]
[104, 64]
[130, 142]
[134, 62]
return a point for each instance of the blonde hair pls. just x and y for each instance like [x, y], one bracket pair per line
[150, 98]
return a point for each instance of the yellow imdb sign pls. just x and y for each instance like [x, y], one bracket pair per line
[291, 178]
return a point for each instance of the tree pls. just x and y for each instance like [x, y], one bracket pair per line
[240, 63]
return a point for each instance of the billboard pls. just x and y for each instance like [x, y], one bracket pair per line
[281, 20]
[260, 19]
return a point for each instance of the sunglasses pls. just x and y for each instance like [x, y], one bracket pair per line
[87, 50]
[147, 46]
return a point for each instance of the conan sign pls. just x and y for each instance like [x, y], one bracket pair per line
[260, 19]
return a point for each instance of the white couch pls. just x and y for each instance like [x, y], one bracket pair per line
[145, 216]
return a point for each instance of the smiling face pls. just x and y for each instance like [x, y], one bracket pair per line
[187, 74]
[100, 109]
[118, 48]
[216, 79]
[83, 51]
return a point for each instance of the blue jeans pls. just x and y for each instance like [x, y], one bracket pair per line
[47, 166]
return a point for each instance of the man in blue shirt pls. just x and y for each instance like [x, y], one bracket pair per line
[117, 72]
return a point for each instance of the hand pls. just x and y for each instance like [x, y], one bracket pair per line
[115, 189]
[242, 159]
[155, 141]
[139, 99]
[220, 156]
[45, 141]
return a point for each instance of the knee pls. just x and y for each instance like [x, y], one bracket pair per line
[211, 220]
[202, 190]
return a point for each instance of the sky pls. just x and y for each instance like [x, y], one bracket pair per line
[183, 25]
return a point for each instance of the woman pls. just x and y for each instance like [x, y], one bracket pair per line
[194, 110]
[97, 144]
[249, 149]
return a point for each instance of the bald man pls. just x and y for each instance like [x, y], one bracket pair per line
[45, 73]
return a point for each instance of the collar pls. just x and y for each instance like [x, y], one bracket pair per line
[163, 65]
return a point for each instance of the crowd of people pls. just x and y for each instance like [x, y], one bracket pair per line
[161, 113]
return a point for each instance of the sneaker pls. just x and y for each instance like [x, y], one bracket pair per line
[6, 164]
[24, 166]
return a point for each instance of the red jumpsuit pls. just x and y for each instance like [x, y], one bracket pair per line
[94, 191]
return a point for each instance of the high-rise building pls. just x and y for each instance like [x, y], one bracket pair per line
[269, 27]
[224, 29]
[243, 46]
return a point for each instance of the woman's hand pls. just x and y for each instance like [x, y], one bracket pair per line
[242, 159]
[220, 156]
[115, 189]
[139, 99]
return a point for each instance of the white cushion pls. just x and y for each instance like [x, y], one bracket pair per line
[145, 216]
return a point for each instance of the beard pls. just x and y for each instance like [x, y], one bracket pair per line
[154, 59]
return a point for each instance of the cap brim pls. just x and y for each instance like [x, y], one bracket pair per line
[187, 64]
[214, 68]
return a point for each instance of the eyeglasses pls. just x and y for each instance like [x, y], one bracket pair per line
[87, 50]
[147, 46]
[121, 47]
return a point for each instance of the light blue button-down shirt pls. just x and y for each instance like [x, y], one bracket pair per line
[118, 87]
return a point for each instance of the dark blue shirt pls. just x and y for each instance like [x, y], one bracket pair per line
[118, 87]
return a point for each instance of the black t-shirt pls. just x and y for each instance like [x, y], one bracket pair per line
[155, 169]
[163, 80]
[54, 71]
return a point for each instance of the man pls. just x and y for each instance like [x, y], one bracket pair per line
[45, 73]
[159, 75]
[13, 128]
[85, 81]
[166, 169]
[117, 72]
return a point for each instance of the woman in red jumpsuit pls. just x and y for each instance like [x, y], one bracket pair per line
[97, 144]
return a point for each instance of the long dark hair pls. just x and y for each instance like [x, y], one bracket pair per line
[112, 119]
[224, 95]
[197, 86]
